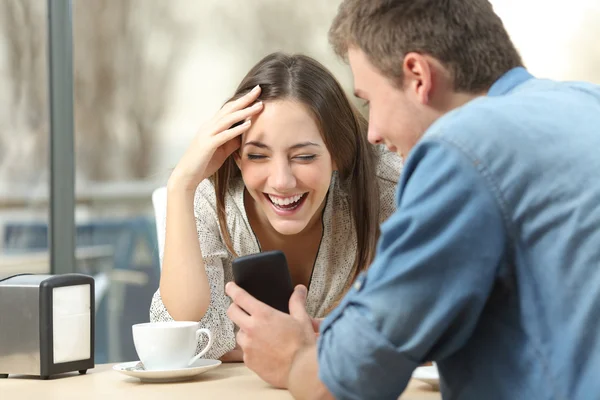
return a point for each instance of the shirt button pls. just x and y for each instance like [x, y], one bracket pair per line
[358, 285]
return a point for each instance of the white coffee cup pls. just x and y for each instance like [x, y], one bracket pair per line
[168, 345]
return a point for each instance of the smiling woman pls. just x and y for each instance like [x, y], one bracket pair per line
[285, 165]
[287, 175]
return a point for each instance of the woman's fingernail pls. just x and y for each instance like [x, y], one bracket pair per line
[258, 105]
[256, 88]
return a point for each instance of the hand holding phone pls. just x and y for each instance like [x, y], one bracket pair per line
[266, 277]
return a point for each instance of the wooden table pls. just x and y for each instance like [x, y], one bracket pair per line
[229, 381]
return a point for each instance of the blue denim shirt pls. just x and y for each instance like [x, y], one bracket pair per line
[491, 264]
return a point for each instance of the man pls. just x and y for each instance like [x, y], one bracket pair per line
[491, 264]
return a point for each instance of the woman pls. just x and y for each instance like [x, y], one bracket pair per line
[285, 165]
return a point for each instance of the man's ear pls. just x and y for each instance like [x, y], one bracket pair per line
[417, 76]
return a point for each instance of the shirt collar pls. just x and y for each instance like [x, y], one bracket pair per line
[509, 81]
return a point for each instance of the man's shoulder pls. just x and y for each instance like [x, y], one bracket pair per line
[500, 119]
[481, 120]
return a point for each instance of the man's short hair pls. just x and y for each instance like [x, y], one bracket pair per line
[466, 36]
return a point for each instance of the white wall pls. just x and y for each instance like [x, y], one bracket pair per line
[557, 39]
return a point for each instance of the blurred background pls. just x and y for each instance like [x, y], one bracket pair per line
[147, 73]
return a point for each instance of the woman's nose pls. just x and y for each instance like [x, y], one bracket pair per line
[281, 177]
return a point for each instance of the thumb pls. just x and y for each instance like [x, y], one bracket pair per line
[298, 303]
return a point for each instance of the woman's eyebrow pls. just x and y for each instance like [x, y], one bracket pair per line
[257, 144]
[304, 144]
[296, 146]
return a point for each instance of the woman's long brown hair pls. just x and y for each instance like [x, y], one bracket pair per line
[303, 79]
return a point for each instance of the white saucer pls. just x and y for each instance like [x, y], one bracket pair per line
[428, 374]
[173, 375]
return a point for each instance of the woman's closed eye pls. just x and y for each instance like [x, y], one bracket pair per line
[303, 158]
[306, 158]
[256, 156]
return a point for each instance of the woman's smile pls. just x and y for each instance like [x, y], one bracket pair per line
[288, 205]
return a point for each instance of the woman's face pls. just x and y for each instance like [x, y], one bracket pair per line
[285, 166]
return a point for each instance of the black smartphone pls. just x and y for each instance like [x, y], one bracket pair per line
[266, 277]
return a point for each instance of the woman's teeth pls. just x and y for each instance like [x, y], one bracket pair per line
[280, 201]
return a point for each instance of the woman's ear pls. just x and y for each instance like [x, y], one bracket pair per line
[237, 158]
